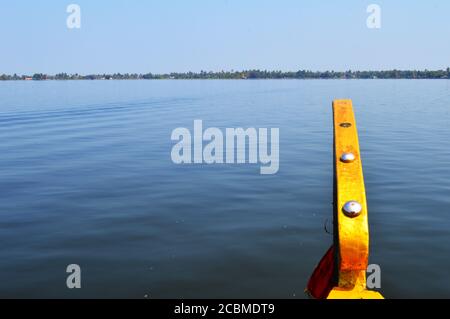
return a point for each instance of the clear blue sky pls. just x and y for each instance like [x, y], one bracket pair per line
[183, 35]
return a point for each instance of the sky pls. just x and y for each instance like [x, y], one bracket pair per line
[160, 36]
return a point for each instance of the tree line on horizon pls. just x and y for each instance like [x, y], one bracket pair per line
[248, 74]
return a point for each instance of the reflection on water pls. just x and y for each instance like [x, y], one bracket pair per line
[86, 177]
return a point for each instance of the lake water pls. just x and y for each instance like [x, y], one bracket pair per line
[86, 178]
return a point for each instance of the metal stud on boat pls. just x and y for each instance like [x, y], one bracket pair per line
[352, 209]
[348, 157]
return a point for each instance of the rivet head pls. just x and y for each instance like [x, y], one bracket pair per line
[352, 209]
[345, 125]
[348, 157]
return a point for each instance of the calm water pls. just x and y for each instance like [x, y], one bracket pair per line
[86, 177]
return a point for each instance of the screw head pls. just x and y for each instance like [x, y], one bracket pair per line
[348, 157]
[352, 209]
[345, 125]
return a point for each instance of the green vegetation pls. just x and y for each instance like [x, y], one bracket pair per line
[248, 74]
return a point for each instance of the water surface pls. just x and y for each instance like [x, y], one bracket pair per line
[86, 177]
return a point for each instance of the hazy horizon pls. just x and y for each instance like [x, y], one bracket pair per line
[219, 71]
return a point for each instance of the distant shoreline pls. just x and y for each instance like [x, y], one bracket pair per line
[242, 75]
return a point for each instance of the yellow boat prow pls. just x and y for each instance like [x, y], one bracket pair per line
[350, 253]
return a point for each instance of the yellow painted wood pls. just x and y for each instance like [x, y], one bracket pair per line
[352, 285]
[352, 238]
[353, 232]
